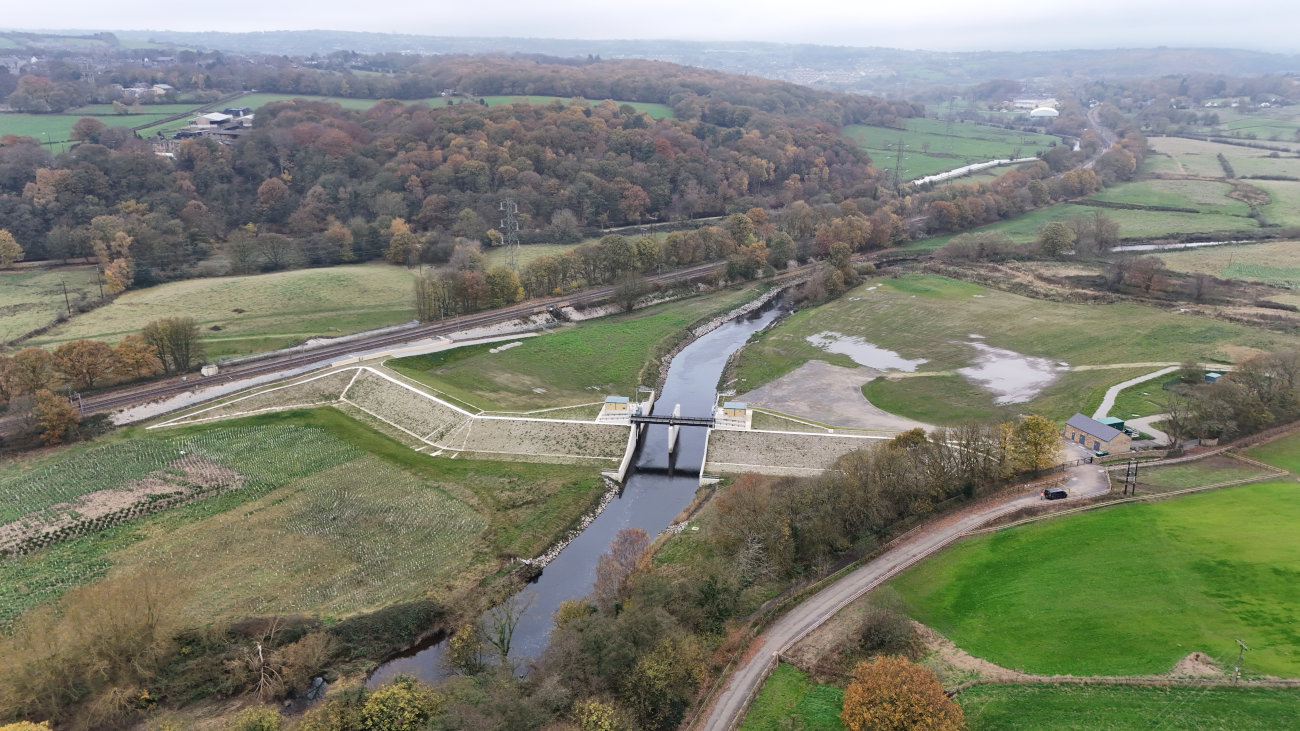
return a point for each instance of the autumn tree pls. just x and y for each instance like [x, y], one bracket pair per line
[56, 417]
[662, 682]
[32, 369]
[405, 704]
[780, 250]
[430, 297]
[84, 362]
[1037, 442]
[614, 569]
[1055, 238]
[87, 129]
[10, 250]
[465, 649]
[891, 693]
[503, 287]
[177, 342]
[134, 357]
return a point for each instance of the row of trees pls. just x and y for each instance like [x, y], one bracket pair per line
[1257, 394]
[30, 377]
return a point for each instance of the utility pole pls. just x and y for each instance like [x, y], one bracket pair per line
[510, 232]
[66, 304]
[1241, 654]
[99, 278]
[898, 168]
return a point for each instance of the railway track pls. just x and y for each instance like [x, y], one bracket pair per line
[122, 398]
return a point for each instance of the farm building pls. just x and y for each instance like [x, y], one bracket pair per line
[210, 119]
[1045, 113]
[1094, 435]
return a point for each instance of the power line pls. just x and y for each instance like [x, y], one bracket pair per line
[510, 232]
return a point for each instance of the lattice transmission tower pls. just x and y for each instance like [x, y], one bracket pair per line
[510, 232]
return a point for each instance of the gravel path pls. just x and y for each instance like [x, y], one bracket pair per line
[1112, 393]
[1083, 481]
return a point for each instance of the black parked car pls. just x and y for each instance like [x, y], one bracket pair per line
[1055, 493]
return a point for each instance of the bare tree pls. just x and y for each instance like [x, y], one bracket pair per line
[177, 341]
[499, 624]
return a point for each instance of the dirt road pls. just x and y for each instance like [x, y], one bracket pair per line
[1084, 481]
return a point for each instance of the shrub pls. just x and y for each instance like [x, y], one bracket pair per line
[894, 693]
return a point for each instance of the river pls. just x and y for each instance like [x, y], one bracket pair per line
[655, 492]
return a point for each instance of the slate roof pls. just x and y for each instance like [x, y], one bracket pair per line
[1093, 427]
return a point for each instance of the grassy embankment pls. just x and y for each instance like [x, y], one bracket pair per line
[33, 298]
[279, 309]
[931, 146]
[923, 316]
[574, 365]
[319, 489]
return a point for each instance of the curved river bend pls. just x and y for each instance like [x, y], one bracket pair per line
[655, 492]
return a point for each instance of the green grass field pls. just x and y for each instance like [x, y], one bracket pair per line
[1132, 224]
[951, 399]
[931, 317]
[930, 146]
[1210, 471]
[497, 256]
[33, 298]
[1206, 196]
[989, 707]
[54, 128]
[1192, 157]
[1282, 453]
[280, 309]
[789, 700]
[342, 518]
[1270, 262]
[1284, 209]
[1128, 590]
[574, 365]
[1142, 399]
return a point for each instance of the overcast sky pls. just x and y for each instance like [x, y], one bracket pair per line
[1269, 25]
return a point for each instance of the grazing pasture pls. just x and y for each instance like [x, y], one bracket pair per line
[1269, 262]
[1125, 706]
[931, 146]
[33, 298]
[54, 128]
[1126, 590]
[256, 313]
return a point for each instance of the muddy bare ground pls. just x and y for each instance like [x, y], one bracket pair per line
[187, 476]
[828, 394]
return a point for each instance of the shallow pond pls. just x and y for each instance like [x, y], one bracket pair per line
[1011, 377]
[862, 352]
